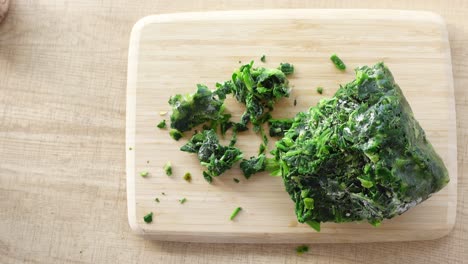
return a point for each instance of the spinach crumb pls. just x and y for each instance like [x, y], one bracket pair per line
[279, 126]
[339, 64]
[175, 134]
[236, 180]
[144, 174]
[286, 68]
[295, 101]
[168, 168]
[182, 201]
[162, 124]
[188, 177]
[235, 212]
[320, 90]
[314, 224]
[156, 200]
[263, 58]
[163, 193]
[261, 149]
[148, 218]
[302, 249]
[130, 148]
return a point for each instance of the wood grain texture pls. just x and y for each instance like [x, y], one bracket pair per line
[169, 54]
[63, 67]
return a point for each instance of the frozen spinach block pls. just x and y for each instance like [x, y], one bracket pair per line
[360, 155]
[216, 157]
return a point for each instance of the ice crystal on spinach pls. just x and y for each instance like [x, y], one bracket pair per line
[216, 157]
[360, 155]
[194, 109]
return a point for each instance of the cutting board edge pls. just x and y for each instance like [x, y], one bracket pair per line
[130, 126]
[453, 166]
[278, 238]
[419, 15]
[229, 237]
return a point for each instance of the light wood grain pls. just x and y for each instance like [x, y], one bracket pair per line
[169, 54]
[63, 67]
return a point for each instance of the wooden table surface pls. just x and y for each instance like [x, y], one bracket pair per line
[62, 123]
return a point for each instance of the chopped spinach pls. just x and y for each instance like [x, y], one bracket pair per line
[156, 200]
[261, 148]
[168, 168]
[263, 59]
[360, 155]
[148, 218]
[320, 90]
[162, 124]
[253, 165]
[339, 64]
[236, 180]
[175, 134]
[302, 249]
[257, 88]
[214, 156]
[182, 201]
[191, 110]
[314, 224]
[144, 174]
[188, 177]
[279, 126]
[286, 68]
[235, 213]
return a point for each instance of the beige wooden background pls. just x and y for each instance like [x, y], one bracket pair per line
[62, 123]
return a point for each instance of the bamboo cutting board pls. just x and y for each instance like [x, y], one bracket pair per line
[170, 54]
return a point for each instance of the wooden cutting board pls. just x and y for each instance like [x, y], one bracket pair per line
[170, 54]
